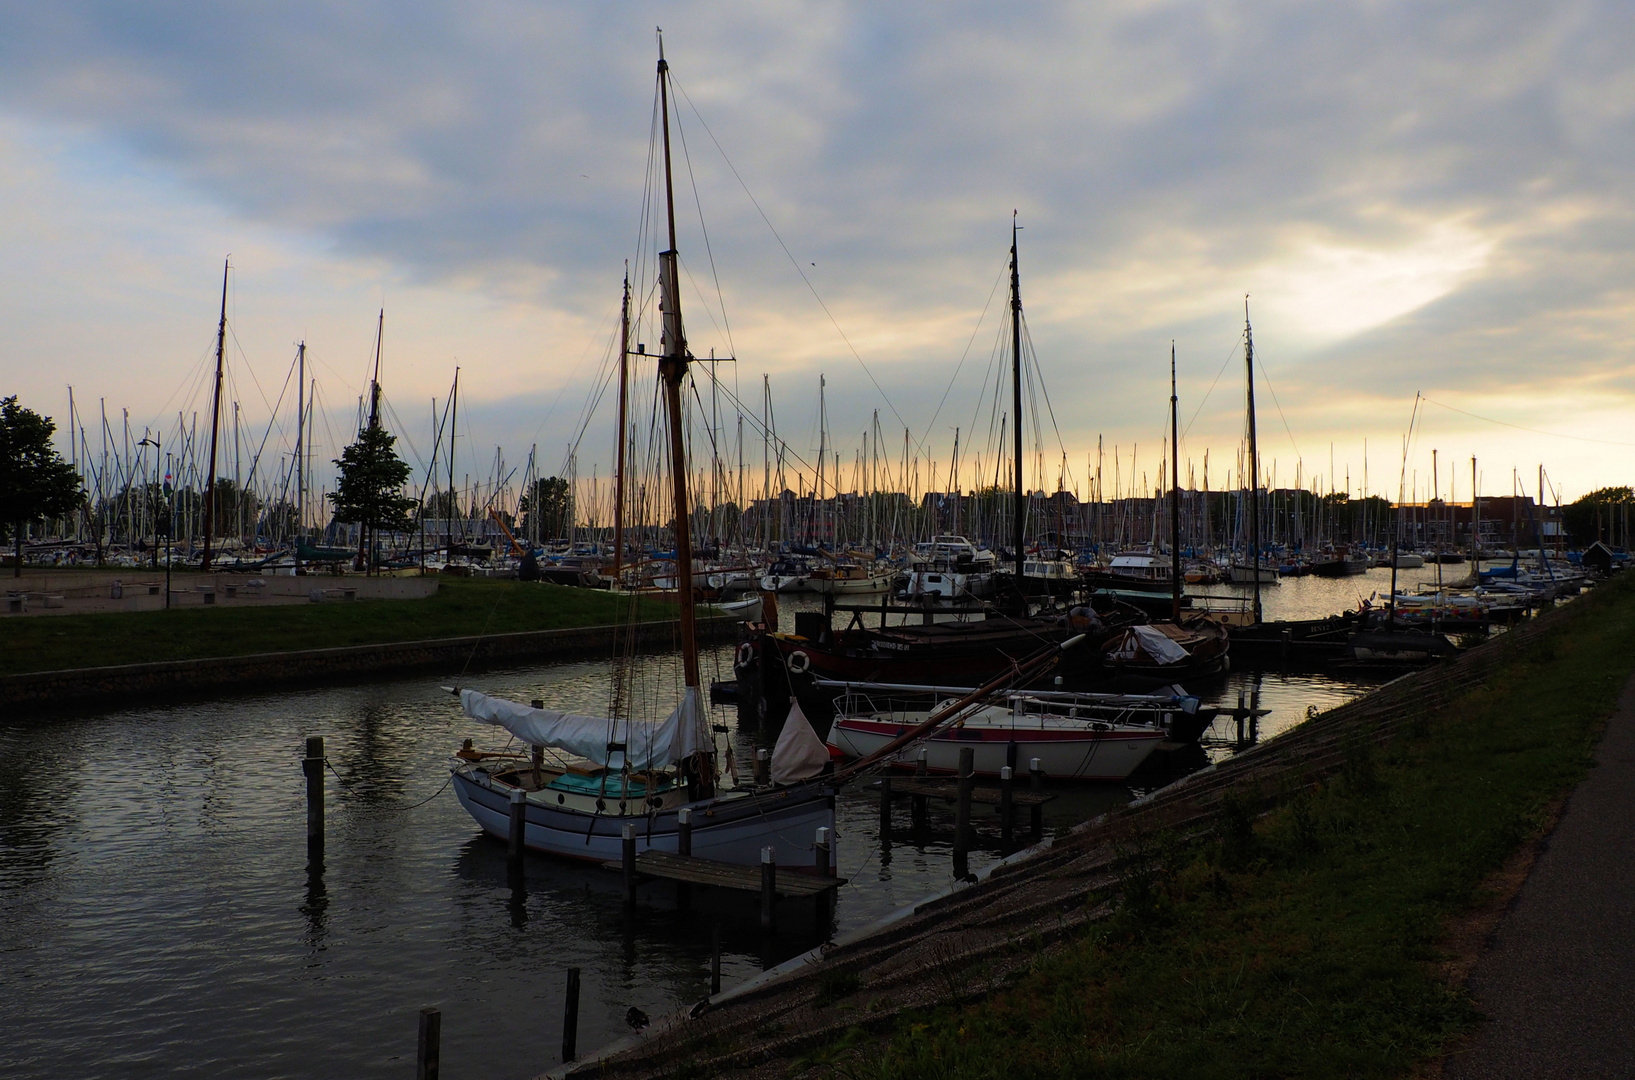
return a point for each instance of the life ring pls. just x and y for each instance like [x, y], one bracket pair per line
[746, 654]
[799, 663]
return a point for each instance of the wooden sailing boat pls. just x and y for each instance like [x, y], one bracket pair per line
[590, 778]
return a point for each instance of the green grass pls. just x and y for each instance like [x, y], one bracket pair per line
[461, 607]
[1305, 943]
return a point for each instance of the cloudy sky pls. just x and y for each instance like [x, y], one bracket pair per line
[1431, 198]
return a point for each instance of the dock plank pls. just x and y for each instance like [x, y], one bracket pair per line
[669, 866]
[949, 790]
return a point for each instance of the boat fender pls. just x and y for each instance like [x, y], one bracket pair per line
[799, 662]
[560, 798]
[746, 654]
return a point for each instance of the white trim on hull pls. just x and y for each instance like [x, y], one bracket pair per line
[1094, 755]
[730, 830]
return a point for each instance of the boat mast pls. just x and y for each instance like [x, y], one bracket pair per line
[215, 420]
[453, 421]
[374, 422]
[1254, 458]
[1016, 401]
[624, 383]
[300, 446]
[673, 369]
[1175, 493]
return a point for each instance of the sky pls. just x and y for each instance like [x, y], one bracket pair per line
[1430, 199]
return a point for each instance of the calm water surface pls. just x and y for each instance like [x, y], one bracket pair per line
[159, 916]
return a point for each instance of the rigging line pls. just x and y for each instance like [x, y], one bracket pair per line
[962, 356]
[1229, 357]
[1530, 431]
[792, 260]
[1267, 379]
[720, 301]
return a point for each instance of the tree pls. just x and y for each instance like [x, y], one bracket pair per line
[369, 491]
[552, 501]
[35, 482]
[1598, 515]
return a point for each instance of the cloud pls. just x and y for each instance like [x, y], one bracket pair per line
[1417, 198]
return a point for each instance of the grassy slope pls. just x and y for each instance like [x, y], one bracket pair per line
[1305, 945]
[460, 607]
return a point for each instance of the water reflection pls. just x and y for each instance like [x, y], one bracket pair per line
[164, 913]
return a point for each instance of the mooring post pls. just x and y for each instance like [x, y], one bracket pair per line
[917, 802]
[1237, 715]
[629, 863]
[962, 811]
[1006, 824]
[426, 1052]
[715, 958]
[769, 885]
[763, 768]
[570, 1017]
[519, 823]
[820, 854]
[1036, 812]
[313, 766]
[885, 807]
[684, 831]
[1254, 717]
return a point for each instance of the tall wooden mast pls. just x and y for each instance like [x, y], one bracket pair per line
[1175, 493]
[673, 369]
[1254, 458]
[624, 383]
[374, 422]
[215, 420]
[1016, 405]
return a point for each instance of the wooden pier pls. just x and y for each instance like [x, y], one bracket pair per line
[686, 869]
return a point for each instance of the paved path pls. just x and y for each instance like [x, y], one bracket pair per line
[1559, 982]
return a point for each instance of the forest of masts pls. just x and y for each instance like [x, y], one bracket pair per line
[877, 498]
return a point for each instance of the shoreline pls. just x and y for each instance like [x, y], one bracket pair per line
[43, 694]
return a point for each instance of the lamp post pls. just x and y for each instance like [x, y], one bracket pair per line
[170, 530]
[154, 442]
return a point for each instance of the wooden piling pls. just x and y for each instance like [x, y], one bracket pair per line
[1254, 717]
[313, 766]
[570, 1017]
[763, 768]
[885, 807]
[1036, 813]
[519, 824]
[629, 841]
[962, 810]
[684, 831]
[1007, 824]
[769, 886]
[427, 1049]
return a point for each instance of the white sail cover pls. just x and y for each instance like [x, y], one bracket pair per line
[799, 753]
[1154, 643]
[648, 745]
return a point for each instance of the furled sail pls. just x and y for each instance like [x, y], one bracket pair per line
[647, 745]
[799, 753]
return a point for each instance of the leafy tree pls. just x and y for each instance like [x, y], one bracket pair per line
[369, 490]
[552, 501]
[1598, 515]
[35, 482]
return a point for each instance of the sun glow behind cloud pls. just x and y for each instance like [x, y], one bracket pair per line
[1415, 199]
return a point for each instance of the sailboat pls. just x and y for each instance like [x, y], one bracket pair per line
[588, 778]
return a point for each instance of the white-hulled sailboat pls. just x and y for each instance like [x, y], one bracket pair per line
[590, 776]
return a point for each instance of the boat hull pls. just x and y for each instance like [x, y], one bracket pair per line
[730, 830]
[1064, 755]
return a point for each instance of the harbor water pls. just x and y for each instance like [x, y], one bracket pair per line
[161, 916]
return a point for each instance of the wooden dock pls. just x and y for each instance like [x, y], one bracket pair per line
[668, 866]
[949, 790]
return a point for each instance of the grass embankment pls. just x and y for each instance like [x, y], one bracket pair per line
[460, 608]
[1311, 942]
